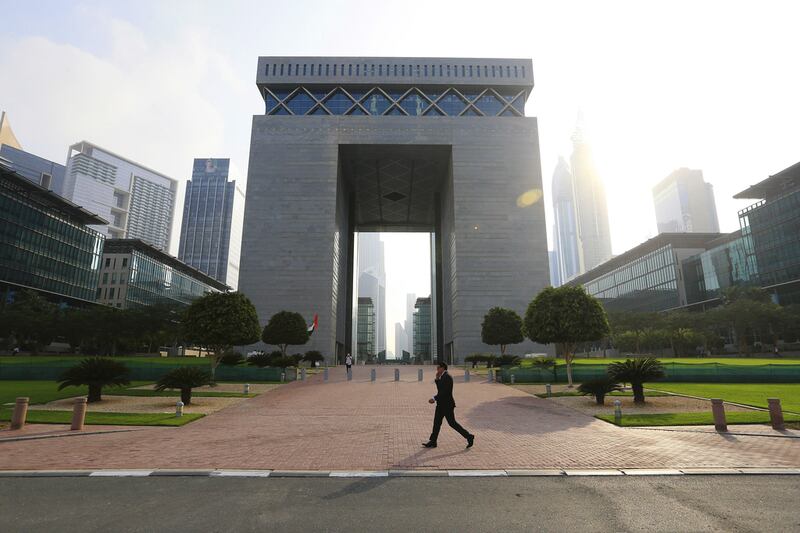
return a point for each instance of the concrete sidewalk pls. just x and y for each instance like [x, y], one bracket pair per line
[360, 425]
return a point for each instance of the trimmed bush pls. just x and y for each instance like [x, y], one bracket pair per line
[598, 388]
[96, 373]
[185, 378]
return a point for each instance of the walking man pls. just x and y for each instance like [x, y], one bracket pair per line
[348, 362]
[445, 408]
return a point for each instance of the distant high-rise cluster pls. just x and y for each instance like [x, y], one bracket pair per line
[685, 203]
[372, 282]
[582, 235]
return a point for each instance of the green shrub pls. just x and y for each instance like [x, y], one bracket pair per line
[598, 388]
[232, 359]
[636, 372]
[185, 378]
[96, 373]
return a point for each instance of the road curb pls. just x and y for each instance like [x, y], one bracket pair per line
[362, 474]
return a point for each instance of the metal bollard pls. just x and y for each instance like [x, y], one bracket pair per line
[20, 413]
[549, 390]
[350, 375]
[303, 374]
[491, 375]
[179, 409]
[283, 377]
[617, 409]
[466, 376]
[373, 375]
[775, 414]
[419, 375]
[325, 374]
[718, 410]
[397, 374]
[78, 414]
[247, 388]
[512, 379]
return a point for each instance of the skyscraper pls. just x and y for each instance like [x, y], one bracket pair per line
[422, 330]
[372, 281]
[685, 203]
[365, 345]
[591, 208]
[567, 248]
[555, 273]
[211, 229]
[138, 202]
[400, 343]
[408, 326]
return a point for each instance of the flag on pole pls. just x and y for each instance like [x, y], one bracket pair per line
[313, 325]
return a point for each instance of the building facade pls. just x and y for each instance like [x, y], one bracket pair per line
[350, 145]
[423, 350]
[569, 255]
[139, 203]
[46, 243]
[648, 277]
[771, 230]
[372, 281]
[37, 169]
[365, 345]
[591, 207]
[211, 228]
[135, 274]
[726, 263]
[684, 202]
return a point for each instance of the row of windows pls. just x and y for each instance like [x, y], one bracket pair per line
[384, 69]
[27, 268]
[408, 101]
[650, 270]
[152, 283]
[774, 228]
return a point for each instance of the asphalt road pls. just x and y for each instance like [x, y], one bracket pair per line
[670, 503]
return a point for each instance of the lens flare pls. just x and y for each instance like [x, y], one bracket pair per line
[528, 198]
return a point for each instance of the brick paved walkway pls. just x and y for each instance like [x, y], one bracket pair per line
[344, 425]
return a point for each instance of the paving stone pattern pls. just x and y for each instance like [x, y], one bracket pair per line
[359, 425]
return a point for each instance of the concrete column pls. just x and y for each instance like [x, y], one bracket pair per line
[466, 376]
[549, 390]
[776, 414]
[247, 388]
[718, 410]
[78, 414]
[419, 375]
[373, 375]
[325, 374]
[20, 413]
[303, 374]
[491, 375]
[397, 374]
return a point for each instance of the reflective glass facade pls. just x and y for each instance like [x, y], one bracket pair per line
[366, 330]
[422, 329]
[647, 283]
[709, 273]
[396, 101]
[44, 241]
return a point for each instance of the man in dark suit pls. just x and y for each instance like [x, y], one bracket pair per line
[445, 408]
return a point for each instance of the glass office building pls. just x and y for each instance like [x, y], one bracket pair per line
[135, 274]
[771, 228]
[366, 330]
[725, 264]
[648, 277]
[211, 229]
[45, 243]
[422, 330]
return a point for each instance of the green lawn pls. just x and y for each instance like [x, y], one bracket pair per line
[754, 394]
[47, 391]
[108, 419]
[694, 419]
[172, 393]
[684, 360]
[576, 393]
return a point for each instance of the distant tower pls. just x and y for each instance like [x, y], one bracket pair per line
[685, 203]
[590, 201]
[567, 248]
[411, 300]
[211, 229]
[372, 281]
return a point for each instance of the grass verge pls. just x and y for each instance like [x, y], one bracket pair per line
[176, 393]
[754, 394]
[106, 419]
[649, 394]
[47, 391]
[693, 419]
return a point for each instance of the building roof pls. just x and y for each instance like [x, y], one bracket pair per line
[121, 246]
[79, 147]
[677, 240]
[786, 179]
[47, 200]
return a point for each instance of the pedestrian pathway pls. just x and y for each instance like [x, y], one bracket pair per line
[361, 425]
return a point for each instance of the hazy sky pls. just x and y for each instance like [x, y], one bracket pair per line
[708, 85]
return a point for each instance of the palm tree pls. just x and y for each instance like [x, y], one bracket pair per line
[598, 388]
[636, 372]
[185, 378]
[96, 373]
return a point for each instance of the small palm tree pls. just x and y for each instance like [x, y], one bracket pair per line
[96, 373]
[636, 372]
[185, 378]
[598, 388]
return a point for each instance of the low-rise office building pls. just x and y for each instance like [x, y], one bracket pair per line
[39, 170]
[45, 244]
[135, 274]
[648, 277]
